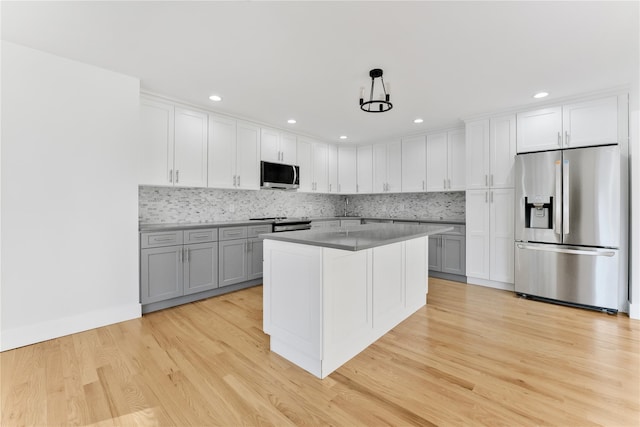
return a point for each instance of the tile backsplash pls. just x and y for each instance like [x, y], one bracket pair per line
[447, 206]
[182, 205]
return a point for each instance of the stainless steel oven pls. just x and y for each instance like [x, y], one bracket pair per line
[281, 224]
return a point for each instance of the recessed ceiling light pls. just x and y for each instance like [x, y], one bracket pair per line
[540, 95]
[291, 121]
[343, 136]
[418, 121]
[215, 98]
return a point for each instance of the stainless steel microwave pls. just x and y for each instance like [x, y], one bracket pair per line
[279, 176]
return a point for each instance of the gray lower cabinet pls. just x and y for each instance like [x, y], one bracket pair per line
[254, 261]
[447, 252]
[200, 267]
[233, 261]
[161, 275]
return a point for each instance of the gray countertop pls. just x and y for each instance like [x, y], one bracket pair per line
[430, 220]
[189, 225]
[358, 237]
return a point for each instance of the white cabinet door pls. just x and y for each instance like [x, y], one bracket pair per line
[539, 130]
[456, 162]
[478, 233]
[190, 158]
[222, 152]
[437, 162]
[270, 145]
[332, 153]
[477, 154]
[155, 154]
[394, 167]
[364, 166]
[306, 165]
[248, 156]
[320, 167]
[502, 151]
[288, 149]
[591, 122]
[347, 170]
[379, 168]
[414, 164]
[502, 235]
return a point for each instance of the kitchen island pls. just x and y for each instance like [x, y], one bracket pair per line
[329, 294]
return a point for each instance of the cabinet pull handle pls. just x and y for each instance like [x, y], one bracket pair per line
[449, 183]
[329, 188]
[238, 180]
[177, 176]
[491, 196]
[423, 184]
[444, 183]
[234, 180]
[566, 137]
[486, 197]
[357, 191]
[486, 180]
[187, 255]
[163, 239]
[491, 180]
[170, 175]
[559, 139]
[180, 255]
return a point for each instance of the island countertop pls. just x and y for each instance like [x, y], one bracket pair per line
[358, 237]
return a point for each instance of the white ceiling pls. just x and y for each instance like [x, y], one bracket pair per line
[272, 61]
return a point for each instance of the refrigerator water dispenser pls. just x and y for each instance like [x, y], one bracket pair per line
[539, 212]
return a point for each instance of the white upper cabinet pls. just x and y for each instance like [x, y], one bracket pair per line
[234, 154]
[332, 166]
[313, 162]
[248, 156]
[387, 164]
[414, 164]
[320, 167]
[190, 155]
[364, 182]
[446, 161]
[155, 158]
[591, 123]
[278, 147]
[347, 170]
[490, 151]
[173, 145]
[587, 123]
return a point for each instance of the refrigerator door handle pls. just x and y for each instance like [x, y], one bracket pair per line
[557, 220]
[592, 252]
[565, 198]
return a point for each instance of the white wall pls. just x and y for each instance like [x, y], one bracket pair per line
[634, 154]
[69, 197]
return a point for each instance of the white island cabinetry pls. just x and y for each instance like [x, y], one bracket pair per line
[324, 305]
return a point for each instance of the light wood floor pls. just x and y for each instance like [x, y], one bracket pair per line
[472, 356]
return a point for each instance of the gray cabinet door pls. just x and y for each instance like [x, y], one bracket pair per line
[255, 259]
[200, 267]
[232, 261]
[161, 273]
[435, 252]
[453, 254]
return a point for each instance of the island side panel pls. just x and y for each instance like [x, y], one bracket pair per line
[347, 308]
[292, 301]
[388, 286]
[417, 273]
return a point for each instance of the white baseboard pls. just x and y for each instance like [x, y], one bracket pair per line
[634, 311]
[31, 334]
[490, 284]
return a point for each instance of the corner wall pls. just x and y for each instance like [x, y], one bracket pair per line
[69, 197]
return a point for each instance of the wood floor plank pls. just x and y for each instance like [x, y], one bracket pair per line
[471, 356]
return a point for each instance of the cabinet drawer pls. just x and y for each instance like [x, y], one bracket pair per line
[255, 230]
[201, 235]
[231, 233]
[160, 238]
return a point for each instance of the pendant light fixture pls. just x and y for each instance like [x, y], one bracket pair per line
[381, 104]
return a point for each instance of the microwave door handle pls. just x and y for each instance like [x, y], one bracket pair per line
[295, 175]
[565, 198]
[557, 221]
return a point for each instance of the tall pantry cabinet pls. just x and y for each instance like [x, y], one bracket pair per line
[490, 148]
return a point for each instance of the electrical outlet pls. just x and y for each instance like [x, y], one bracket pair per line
[232, 208]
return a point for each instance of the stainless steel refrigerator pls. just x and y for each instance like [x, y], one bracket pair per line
[567, 226]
